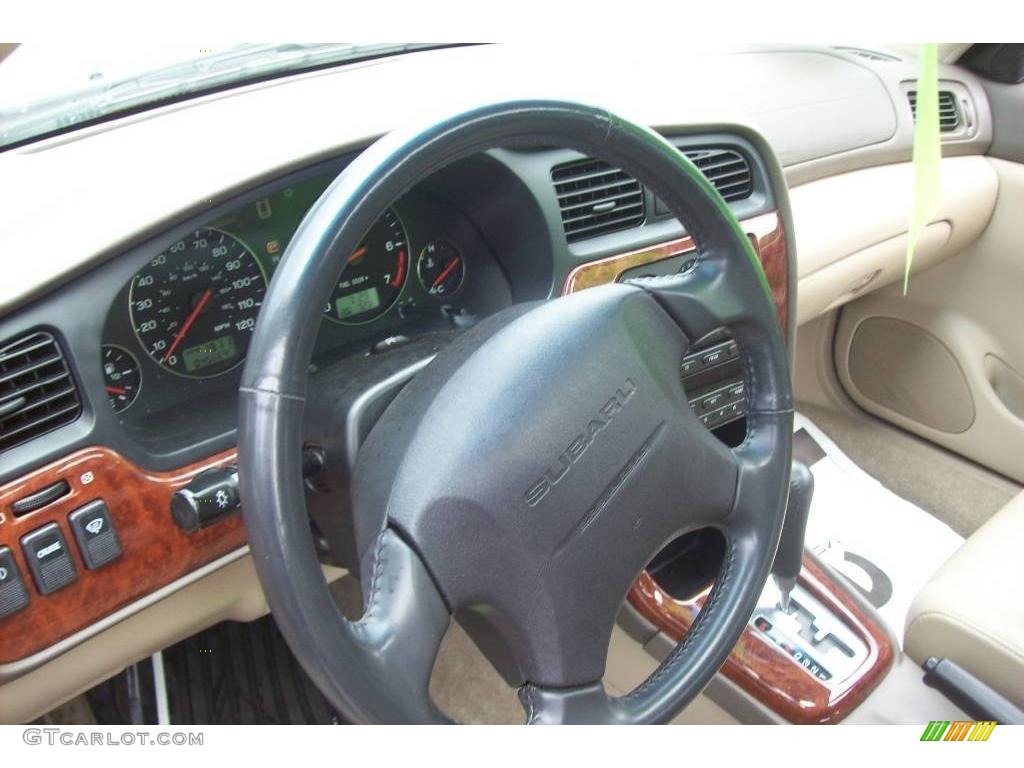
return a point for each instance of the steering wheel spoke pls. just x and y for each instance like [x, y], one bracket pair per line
[700, 301]
[708, 482]
[403, 622]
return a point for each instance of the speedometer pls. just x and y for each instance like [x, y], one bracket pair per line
[194, 306]
[374, 274]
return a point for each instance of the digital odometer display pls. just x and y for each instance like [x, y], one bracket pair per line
[194, 306]
[210, 353]
[357, 303]
[374, 274]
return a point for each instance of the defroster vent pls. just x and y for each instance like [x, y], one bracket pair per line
[37, 393]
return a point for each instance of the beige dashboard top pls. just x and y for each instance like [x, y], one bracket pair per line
[75, 200]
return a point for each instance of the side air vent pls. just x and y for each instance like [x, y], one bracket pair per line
[726, 169]
[37, 393]
[595, 197]
[949, 115]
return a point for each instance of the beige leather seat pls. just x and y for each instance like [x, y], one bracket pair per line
[972, 610]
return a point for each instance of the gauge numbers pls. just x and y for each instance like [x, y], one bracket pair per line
[373, 276]
[194, 306]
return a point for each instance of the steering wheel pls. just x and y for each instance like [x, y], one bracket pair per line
[537, 464]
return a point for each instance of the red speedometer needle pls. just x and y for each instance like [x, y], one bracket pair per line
[117, 390]
[188, 323]
[445, 272]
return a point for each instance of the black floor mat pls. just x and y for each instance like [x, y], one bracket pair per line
[229, 674]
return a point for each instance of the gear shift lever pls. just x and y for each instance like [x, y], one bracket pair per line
[789, 556]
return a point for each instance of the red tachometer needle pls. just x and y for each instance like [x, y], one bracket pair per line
[445, 272]
[188, 323]
[117, 390]
[400, 272]
[356, 255]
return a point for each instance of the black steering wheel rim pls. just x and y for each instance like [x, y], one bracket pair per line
[375, 669]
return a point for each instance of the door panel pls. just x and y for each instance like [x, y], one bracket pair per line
[947, 361]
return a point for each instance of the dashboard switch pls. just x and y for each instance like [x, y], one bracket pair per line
[40, 498]
[48, 558]
[386, 345]
[211, 497]
[712, 401]
[690, 364]
[714, 357]
[13, 594]
[94, 531]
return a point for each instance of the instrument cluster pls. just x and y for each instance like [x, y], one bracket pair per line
[181, 327]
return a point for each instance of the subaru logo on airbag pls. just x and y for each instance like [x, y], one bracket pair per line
[579, 445]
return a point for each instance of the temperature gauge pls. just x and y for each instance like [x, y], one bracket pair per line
[121, 376]
[441, 268]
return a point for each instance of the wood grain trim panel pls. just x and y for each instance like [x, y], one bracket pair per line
[765, 231]
[763, 670]
[156, 551]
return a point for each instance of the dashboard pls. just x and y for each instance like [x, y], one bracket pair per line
[150, 286]
[156, 336]
[154, 342]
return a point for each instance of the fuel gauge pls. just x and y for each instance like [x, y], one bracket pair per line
[441, 268]
[121, 376]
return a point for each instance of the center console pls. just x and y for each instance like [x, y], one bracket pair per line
[812, 663]
[810, 633]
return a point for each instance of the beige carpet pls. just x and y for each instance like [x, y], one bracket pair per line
[956, 491]
[467, 687]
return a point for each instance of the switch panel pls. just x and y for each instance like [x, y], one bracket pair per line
[715, 383]
[94, 531]
[48, 558]
[13, 593]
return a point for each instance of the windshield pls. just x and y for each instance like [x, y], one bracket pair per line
[47, 89]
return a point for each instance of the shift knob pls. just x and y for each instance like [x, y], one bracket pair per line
[790, 554]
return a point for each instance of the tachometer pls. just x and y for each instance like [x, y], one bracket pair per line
[373, 276]
[194, 306]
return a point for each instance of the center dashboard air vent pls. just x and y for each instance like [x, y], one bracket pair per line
[595, 198]
[37, 393]
[727, 170]
[949, 115]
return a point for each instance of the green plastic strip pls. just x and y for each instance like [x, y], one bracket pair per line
[927, 152]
